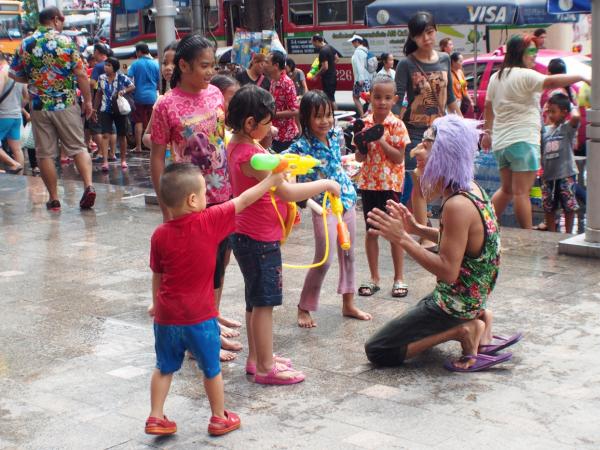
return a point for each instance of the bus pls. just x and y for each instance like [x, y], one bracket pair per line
[296, 21]
[11, 29]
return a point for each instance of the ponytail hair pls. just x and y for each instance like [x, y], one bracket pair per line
[188, 49]
[416, 26]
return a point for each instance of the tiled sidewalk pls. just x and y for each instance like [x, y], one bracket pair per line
[76, 346]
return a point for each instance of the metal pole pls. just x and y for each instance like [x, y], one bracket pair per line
[592, 229]
[197, 25]
[165, 24]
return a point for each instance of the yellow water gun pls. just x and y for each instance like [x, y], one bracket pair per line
[301, 165]
[342, 229]
[314, 69]
[294, 164]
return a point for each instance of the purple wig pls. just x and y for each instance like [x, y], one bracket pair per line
[451, 159]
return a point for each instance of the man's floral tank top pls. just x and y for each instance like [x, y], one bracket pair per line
[477, 277]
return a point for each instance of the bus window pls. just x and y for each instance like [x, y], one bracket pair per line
[358, 10]
[127, 25]
[183, 19]
[332, 11]
[10, 26]
[301, 12]
[213, 15]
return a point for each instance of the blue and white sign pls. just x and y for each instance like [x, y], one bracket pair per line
[569, 6]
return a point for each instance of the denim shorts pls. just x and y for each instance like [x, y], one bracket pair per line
[260, 263]
[203, 340]
[519, 157]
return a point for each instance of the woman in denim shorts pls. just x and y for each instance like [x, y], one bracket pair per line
[513, 123]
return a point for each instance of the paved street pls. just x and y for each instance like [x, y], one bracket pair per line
[76, 345]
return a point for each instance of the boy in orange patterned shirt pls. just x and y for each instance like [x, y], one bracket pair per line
[381, 178]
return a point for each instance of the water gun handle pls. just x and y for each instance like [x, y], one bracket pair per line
[342, 229]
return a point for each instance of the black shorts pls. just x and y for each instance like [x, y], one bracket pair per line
[108, 119]
[280, 146]
[329, 88]
[388, 346]
[377, 199]
[222, 260]
[93, 126]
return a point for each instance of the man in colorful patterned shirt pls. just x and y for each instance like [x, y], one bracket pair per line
[466, 267]
[283, 91]
[49, 62]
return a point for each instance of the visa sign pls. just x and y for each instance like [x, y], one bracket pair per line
[488, 14]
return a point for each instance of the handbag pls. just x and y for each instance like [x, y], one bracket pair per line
[122, 104]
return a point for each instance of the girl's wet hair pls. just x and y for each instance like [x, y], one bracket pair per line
[451, 161]
[416, 26]
[249, 101]
[515, 50]
[223, 82]
[313, 102]
[188, 49]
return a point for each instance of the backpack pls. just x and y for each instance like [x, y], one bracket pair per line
[372, 62]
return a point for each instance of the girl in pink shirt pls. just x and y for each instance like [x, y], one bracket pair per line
[256, 241]
[190, 118]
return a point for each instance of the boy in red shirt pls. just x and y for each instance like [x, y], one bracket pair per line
[182, 259]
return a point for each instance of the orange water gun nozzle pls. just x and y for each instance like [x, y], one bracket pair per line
[342, 229]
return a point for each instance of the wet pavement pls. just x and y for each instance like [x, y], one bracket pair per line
[76, 345]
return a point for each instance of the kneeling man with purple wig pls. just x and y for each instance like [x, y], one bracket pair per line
[466, 263]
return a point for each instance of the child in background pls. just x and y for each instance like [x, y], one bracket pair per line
[256, 242]
[185, 317]
[382, 176]
[228, 87]
[166, 71]
[190, 118]
[322, 141]
[558, 181]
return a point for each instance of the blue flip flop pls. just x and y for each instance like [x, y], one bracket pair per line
[501, 343]
[482, 362]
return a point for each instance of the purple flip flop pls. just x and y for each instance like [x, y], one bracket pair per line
[501, 343]
[482, 362]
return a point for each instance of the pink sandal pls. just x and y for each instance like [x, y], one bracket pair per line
[272, 378]
[251, 367]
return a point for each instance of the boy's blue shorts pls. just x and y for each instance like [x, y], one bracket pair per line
[203, 340]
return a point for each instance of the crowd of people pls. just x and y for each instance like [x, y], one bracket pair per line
[214, 201]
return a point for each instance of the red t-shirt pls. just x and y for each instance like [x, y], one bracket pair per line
[259, 220]
[184, 251]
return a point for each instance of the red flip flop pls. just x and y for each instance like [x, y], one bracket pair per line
[160, 427]
[219, 426]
